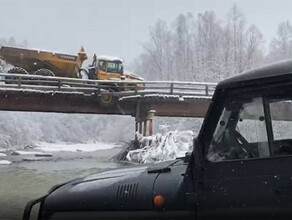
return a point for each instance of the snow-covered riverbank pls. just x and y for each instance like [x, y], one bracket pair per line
[87, 147]
[49, 151]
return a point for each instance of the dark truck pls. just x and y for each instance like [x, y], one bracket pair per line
[240, 167]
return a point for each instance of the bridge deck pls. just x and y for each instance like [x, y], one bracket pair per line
[77, 96]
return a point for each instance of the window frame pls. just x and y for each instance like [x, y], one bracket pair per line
[117, 69]
[266, 92]
[105, 65]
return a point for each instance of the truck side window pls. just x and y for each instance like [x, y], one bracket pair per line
[241, 132]
[281, 118]
[101, 65]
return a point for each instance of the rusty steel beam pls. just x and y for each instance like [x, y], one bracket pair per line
[171, 106]
[196, 108]
[78, 102]
[55, 102]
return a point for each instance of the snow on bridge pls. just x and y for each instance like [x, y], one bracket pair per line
[68, 95]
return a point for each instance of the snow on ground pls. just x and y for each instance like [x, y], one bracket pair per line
[88, 147]
[19, 130]
[165, 96]
[20, 152]
[160, 147]
[5, 162]
[55, 151]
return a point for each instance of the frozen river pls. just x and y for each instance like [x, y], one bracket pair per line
[29, 177]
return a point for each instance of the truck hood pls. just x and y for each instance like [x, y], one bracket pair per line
[121, 189]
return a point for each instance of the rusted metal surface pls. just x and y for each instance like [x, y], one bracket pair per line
[53, 102]
[62, 102]
[121, 88]
[171, 106]
[57, 94]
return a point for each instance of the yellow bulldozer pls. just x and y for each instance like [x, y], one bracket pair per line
[45, 63]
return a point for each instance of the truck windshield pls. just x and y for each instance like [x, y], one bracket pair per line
[115, 67]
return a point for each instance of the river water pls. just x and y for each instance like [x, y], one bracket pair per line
[24, 179]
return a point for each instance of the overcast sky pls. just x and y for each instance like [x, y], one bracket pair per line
[118, 27]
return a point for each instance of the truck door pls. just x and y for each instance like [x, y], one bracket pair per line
[101, 75]
[280, 109]
[240, 170]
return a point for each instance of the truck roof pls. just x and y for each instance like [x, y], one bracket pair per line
[278, 71]
[109, 58]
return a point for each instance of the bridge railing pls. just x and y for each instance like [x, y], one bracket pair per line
[101, 87]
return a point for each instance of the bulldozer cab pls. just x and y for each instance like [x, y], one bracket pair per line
[108, 68]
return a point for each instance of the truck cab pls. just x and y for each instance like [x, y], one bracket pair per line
[240, 166]
[109, 68]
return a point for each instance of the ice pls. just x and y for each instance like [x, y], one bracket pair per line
[20, 152]
[50, 147]
[2, 155]
[35, 153]
[161, 147]
[5, 162]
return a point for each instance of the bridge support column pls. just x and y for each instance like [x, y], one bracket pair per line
[136, 126]
[144, 127]
[143, 121]
[140, 127]
[150, 117]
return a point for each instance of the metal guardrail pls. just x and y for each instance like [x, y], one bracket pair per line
[118, 88]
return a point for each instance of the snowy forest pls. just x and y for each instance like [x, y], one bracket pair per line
[192, 47]
[203, 47]
[207, 48]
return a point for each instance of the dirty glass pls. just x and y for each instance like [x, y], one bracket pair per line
[102, 65]
[281, 119]
[241, 132]
[114, 67]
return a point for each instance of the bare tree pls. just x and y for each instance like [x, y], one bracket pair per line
[237, 24]
[156, 51]
[208, 43]
[254, 47]
[183, 46]
[205, 49]
[281, 46]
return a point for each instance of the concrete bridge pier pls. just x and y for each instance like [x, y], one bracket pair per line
[150, 119]
[144, 126]
[144, 121]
